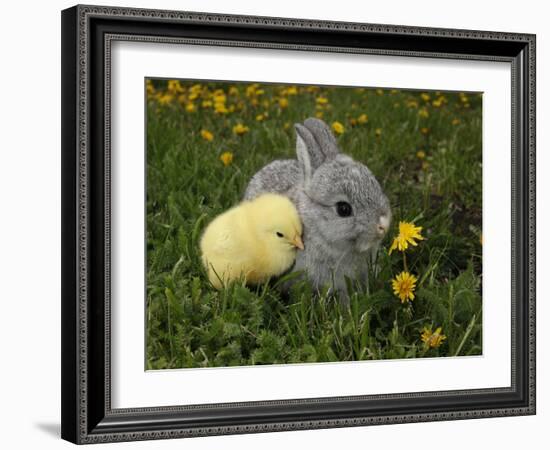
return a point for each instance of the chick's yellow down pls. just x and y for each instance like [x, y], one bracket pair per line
[256, 239]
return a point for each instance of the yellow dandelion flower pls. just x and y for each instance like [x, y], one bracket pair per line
[463, 97]
[193, 95]
[240, 129]
[420, 154]
[425, 97]
[455, 121]
[403, 286]
[352, 121]
[233, 90]
[362, 119]
[338, 128]
[259, 92]
[150, 88]
[219, 97]
[174, 87]
[165, 99]
[292, 90]
[251, 90]
[319, 114]
[260, 117]
[220, 108]
[432, 339]
[379, 91]
[206, 103]
[321, 100]
[408, 234]
[424, 130]
[226, 158]
[378, 132]
[412, 104]
[190, 107]
[207, 135]
[423, 112]
[437, 103]
[283, 103]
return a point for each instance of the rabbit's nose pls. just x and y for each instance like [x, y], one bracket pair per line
[383, 225]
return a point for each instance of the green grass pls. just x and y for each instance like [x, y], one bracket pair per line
[190, 324]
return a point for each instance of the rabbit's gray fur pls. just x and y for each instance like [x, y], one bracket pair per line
[335, 247]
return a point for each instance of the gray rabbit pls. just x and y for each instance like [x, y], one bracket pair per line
[344, 212]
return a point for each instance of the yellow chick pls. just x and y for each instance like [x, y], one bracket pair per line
[256, 239]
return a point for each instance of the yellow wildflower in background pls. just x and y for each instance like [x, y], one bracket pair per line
[150, 88]
[432, 339]
[292, 90]
[378, 132]
[219, 96]
[379, 91]
[206, 103]
[240, 129]
[403, 286]
[260, 117]
[220, 108]
[207, 135]
[423, 112]
[455, 121]
[226, 158]
[174, 87]
[408, 234]
[424, 130]
[362, 119]
[190, 107]
[321, 100]
[412, 104]
[283, 103]
[425, 97]
[420, 154]
[438, 101]
[165, 99]
[338, 128]
[251, 89]
[319, 114]
[233, 90]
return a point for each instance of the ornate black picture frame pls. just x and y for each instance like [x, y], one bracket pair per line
[87, 34]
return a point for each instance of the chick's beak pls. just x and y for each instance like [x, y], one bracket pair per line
[297, 242]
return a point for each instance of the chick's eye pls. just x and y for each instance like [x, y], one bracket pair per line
[343, 209]
[280, 234]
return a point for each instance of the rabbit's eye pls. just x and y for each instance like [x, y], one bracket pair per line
[280, 234]
[343, 209]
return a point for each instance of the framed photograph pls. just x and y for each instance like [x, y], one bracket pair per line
[280, 224]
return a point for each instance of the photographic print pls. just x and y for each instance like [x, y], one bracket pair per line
[369, 219]
[303, 224]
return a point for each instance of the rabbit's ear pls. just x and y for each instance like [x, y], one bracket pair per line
[323, 135]
[308, 151]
